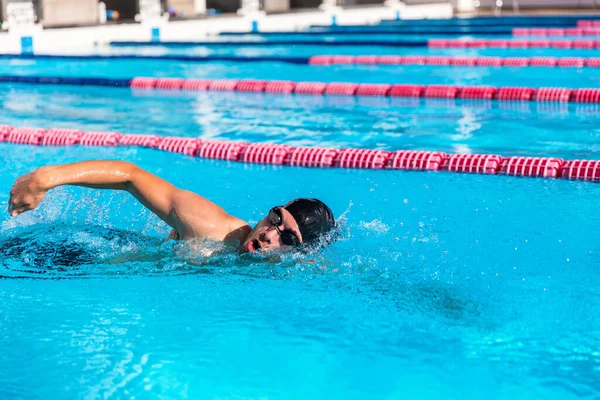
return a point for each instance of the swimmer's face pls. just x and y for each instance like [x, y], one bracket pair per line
[278, 230]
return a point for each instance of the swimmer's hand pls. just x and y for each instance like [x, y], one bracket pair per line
[27, 192]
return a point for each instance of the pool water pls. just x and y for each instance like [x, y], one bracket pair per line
[440, 285]
[251, 49]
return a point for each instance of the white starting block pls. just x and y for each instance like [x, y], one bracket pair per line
[151, 16]
[332, 9]
[250, 9]
[396, 5]
[21, 24]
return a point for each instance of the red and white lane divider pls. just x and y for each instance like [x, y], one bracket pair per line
[583, 23]
[579, 31]
[374, 89]
[583, 44]
[280, 154]
[565, 62]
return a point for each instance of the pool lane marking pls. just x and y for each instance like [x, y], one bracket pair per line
[503, 93]
[316, 157]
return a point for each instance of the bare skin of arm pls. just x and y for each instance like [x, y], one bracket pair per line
[187, 213]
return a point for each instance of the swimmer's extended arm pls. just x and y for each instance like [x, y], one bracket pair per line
[153, 192]
[191, 215]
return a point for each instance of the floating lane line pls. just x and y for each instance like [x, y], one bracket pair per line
[315, 157]
[504, 93]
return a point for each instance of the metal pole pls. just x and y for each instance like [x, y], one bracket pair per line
[516, 6]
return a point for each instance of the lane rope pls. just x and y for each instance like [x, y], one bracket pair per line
[579, 31]
[315, 157]
[271, 42]
[164, 57]
[505, 93]
[513, 44]
[563, 62]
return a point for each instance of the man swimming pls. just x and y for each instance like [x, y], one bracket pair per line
[296, 224]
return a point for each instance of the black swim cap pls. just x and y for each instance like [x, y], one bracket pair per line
[313, 217]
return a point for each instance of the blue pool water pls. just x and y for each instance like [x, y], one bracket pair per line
[440, 285]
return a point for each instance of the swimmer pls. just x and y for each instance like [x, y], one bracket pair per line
[291, 226]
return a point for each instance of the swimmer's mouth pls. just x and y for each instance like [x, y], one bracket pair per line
[254, 246]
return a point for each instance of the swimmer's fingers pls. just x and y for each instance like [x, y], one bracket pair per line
[19, 204]
[20, 210]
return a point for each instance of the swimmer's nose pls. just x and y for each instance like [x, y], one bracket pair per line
[266, 238]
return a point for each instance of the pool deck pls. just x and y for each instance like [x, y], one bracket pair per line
[81, 40]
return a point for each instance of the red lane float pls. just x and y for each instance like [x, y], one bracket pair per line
[521, 32]
[406, 90]
[196, 84]
[418, 60]
[479, 61]
[390, 60]
[373, 89]
[109, 139]
[360, 158]
[310, 88]
[558, 32]
[586, 96]
[582, 95]
[518, 44]
[588, 23]
[464, 61]
[187, 146]
[320, 60]
[587, 170]
[312, 157]
[151, 141]
[571, 62]
[342, 60]
[25, 136]
[516, 62]
[512, 44]
[223, 85]
[438, 43]
[4, 131]
[497, 44]
[61, 137]
[539, 44]
[217, 150]
[515, 93]
[544, 62]
[143, 83]
[438, 60]
[489, 62]
[584, 44]
[478, 92]
[532, 167]
[367, 60]
[562, 44]
[561, 95]
[441, 91]
[259, 153]
[280, 87]
[478, 44]
[593, 62]
[472, 163]
[416, 160]
[341, 89]
[169, 83]
[279, 154]
[249, 85]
